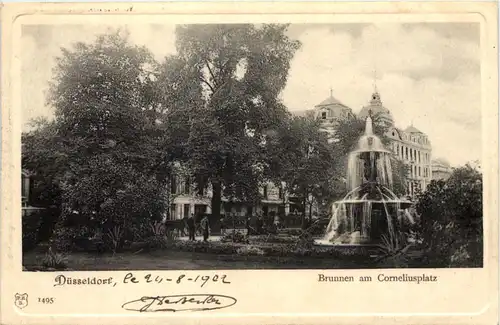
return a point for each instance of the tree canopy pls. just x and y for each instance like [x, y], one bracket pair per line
[222, 88]
[104, 149]
[301, 159]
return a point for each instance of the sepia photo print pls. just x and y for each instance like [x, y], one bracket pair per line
[251, 146]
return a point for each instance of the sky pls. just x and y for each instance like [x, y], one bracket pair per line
[427, 74]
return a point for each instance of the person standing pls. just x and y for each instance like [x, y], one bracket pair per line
[247, 225]
[259, 224]
[191, 227]
[205, 227]
[222, 226]
[277, 222]
[184, 226]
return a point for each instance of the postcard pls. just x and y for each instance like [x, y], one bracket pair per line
[293, 163]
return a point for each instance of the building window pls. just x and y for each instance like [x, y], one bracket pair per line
[280, 193]
[186, 210]
[419, 171]
[173, 185]
[265, 192]
[323, 115]
[172, 211]
[406, 154]
[25, 188]
[187, 186]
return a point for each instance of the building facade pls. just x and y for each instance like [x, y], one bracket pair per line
[186, 201]
[331, 111]
[410, 145]
[441, 169]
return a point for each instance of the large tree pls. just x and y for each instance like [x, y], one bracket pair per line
[223, 88]
[106, 142]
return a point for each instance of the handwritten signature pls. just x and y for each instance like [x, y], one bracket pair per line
[173, 303]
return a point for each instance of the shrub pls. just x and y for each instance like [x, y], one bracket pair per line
[293, 232]
[161, 240]
[234, 237]
[54, 260]
[66, 239]
[30, 228]
[205, 247]
[114, 238]
[451, 216]
[274, 239]
[250, 250]
[302, 252]
[157, 242]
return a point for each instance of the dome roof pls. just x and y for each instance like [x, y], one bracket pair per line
[412, 129]
[330, 101]
[333, 109]
[377, 109]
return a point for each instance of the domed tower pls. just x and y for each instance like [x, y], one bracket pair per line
[379, 112]
[330, 111]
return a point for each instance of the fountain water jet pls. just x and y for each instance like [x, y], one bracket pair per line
[370, 210]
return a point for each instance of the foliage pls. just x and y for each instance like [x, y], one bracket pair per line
[63, 239]
[393, 250]
[43, 157]
[451, 216]
[250, 250]
[114, 238]
[103, 156]
[54, 260]
[160, 238]
[458, 200]
[158, 229]
[301, 157]
[30, 229]
[206, 247]
[273, 250]
[223, 87]
[275, 239]
[234, 237]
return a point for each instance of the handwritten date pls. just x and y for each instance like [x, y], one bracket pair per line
[183, 278]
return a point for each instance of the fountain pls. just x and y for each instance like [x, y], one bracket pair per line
[370, 210]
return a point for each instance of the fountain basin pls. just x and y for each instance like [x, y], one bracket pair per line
[403, 204]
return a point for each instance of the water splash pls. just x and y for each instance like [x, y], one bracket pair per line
[370, 209]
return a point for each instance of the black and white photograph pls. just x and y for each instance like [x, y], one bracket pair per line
[150, 146]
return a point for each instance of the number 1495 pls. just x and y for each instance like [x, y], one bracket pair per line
[46, 300]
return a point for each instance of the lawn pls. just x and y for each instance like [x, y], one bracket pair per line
[175, 260]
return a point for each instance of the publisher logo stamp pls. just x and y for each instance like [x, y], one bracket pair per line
[21, 300]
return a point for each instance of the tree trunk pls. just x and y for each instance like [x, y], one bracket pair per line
[216, 199]
[303, 217]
